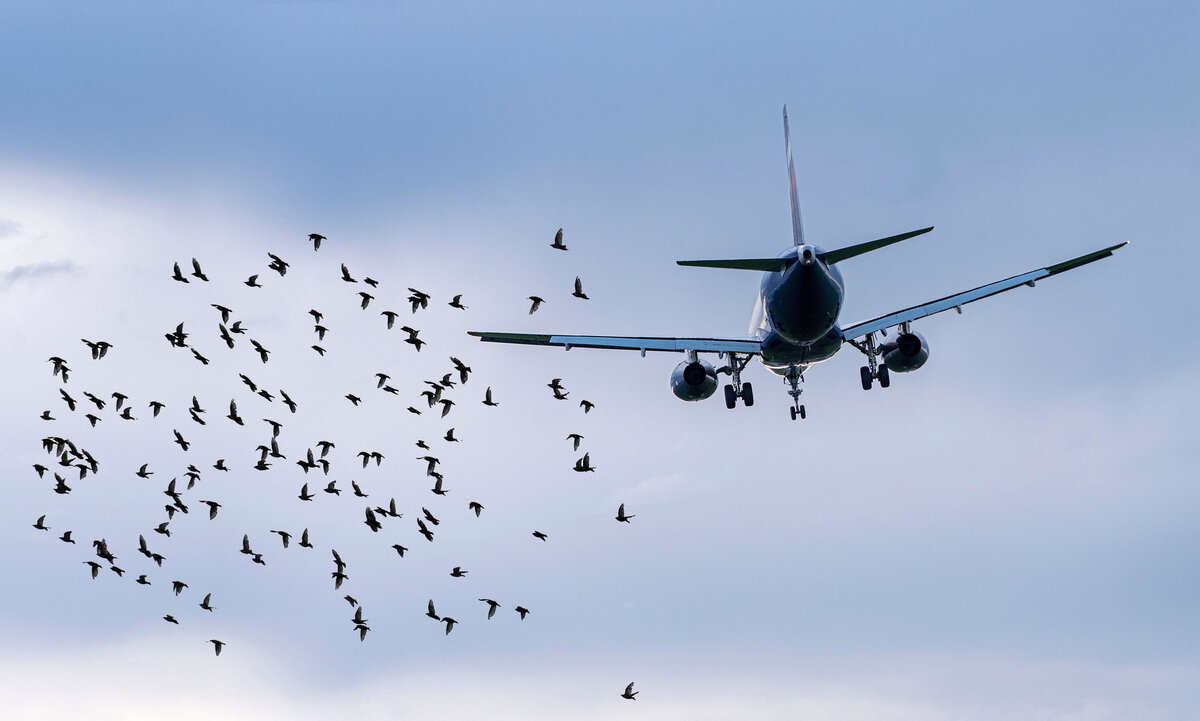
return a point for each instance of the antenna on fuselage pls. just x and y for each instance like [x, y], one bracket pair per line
[797, 226]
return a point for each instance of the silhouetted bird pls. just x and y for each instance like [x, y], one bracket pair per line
[579, 290]
[346, 274]
[487, 398]
[537, 303]
[457, 303]
[252, 281]
[178, 274]
[629, 692]
[316, 239]
[475, 506]
[196, 272]
[40, 524]
[206, 604]
[492, 606]
[431, 613]
[558, 243]
[621, 514]
[522, 611]
[587, 406]
[576, 438]
[539, 535]
[584, 464]
[217, 645]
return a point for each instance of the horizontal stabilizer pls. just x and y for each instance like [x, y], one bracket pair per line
[777, 265]
[700, 345]
[836, 256]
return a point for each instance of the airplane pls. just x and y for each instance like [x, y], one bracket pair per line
[795, 319]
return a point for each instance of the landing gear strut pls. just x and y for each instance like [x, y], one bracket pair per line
[737, 389]
[794, 378]
[872, 371]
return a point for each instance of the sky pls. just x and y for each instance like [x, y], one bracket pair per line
[1006, 533]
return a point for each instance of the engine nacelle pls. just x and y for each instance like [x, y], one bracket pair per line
[693, 380]
[907, 353]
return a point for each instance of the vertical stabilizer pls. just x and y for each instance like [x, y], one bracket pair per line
[797, 226]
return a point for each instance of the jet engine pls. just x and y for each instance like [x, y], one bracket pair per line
[907, 353]
[693, 380]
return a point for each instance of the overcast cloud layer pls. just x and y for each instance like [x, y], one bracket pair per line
[1007, 533]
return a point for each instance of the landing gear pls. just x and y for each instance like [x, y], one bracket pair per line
[872, 371]
[794, 378]
[737, 389]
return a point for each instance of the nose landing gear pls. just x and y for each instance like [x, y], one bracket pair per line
[794, 378]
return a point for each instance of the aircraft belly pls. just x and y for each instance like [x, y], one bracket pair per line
[805, 305]
[778, 354]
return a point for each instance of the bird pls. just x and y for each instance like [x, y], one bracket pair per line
[284, 536]
[462, 368]
[458, 572]
[351, 600]
[371, 281]
[475, 506]
[372, 522]
[217, 645]
[449, 623]
[178, 274]
[262, 352]
[287, 400]
[428, 534]
[320, 331]
[358, 491]
[66, 537]
[325, 446]
[41, 523]
[450, 436]
[170, 619]
[212, 508]
[446, 403]
[143, 473]
[178, 586]
[277, 264]
[418, 299]
[487, 398]
[252, 281]
[457, 303]
[621, 514]
[233, 414]
[492, 606]
[558, 241]
[537, 303]
[629, 692]
[362, 629]
[587, 406]
[366, 299]
[579, 289]
[391, 317]
[332, 488]
[320, 351]
[539, 535]
[584, 464]
[353, 398]
[576, 438]
[346, 274]
[196, 272]
[206, 604]
[430, 613]
[246, 545]
[95, 568]
[304, 540]
[521, 610]
[316, 239]
[155, 406]
[399, 549]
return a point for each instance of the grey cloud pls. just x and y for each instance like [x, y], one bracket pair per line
[32, 271]
[8, 227]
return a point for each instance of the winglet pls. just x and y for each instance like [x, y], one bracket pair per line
[797, 227]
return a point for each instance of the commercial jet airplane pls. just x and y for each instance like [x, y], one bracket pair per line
[795, 320]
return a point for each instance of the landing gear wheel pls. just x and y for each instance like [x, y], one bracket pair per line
[885, 379]
[865, 373]
[802, 416]
[793, 410]
[730, 396]
[747, 394]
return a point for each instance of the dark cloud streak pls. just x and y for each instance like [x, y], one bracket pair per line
[33, 271]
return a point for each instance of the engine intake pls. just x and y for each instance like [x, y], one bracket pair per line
[907, 353]
[694, 380]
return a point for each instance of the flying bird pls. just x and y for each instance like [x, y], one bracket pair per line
[579, 290]
[178, 274]
[621, 514]
[576, 438]
[457, 303]
[537, 303]
[196, 272]
[587, 406]
[539, 535]
[487, 398]
[252, 281]
[346, 274]
[629, 692]
[316, 239]
[492, 606]
[558, 243]
[217, 645]
[584, 464]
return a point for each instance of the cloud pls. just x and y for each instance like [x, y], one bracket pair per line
[33, 271]
[8, 227]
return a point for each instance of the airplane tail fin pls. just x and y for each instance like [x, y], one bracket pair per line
[834, 256]
[797, 226]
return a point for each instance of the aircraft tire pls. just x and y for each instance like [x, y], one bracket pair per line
[802, 416]
[865, 372]
[747, 394]
[793, 410]
[730, 397]
[885, 378]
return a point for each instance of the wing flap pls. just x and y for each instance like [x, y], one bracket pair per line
[958, 300]
[643, 344]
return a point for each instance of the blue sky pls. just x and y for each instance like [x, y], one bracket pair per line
[1007, 532]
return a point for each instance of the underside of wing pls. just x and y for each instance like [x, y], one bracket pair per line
[699, 345]
[958, 300]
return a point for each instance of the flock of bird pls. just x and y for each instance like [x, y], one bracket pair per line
[69, 456]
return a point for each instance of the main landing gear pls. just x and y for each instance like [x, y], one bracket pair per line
[794, 378]
[873, 370]
[737, 389]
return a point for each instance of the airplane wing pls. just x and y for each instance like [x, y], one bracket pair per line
[958, 300]
[700, 345]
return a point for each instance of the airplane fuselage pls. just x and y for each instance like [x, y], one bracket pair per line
[795, 316]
